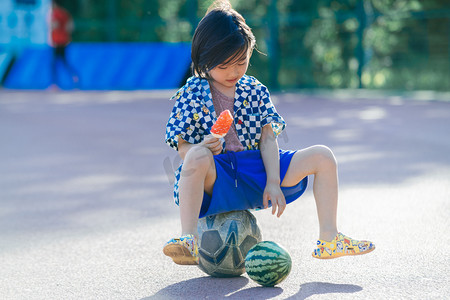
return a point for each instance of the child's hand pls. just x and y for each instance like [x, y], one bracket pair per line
[213, 144]
[273, 193]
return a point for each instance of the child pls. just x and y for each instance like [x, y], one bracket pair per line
[246, 170]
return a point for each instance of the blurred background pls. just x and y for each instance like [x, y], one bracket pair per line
[145, 44]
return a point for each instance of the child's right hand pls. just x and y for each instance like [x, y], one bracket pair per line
[213, 144]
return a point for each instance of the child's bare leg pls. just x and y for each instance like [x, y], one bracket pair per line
[197, 175]
[320, 161]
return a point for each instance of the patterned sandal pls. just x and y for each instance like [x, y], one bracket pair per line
[341, 246]
[183, 251]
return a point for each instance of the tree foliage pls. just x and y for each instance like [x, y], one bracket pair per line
[390, 44]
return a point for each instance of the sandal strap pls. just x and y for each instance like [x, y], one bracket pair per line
[330, 245]
[182, 238]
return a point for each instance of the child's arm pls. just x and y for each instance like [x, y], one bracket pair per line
[210, 142]
[271, 158]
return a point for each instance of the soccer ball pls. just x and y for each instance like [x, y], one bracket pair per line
[224, 242]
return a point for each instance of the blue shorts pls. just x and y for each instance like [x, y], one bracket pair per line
[241, 179]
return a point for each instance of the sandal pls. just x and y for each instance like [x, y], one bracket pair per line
[183, 251]
[342, 246]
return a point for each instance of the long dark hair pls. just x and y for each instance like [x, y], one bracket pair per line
[222, 36]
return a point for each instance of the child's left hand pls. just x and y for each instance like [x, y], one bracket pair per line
[273, 193]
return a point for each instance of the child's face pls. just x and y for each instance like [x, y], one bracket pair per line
[226, 76]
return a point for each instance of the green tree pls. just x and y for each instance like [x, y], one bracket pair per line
[386, 44]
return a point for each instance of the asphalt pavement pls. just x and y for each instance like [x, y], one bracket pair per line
[86, 198]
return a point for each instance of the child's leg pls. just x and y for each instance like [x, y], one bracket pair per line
[320, 161]
[197, 176]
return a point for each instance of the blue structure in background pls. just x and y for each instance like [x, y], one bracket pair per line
[104, 66]
[26, 58]
[22, 23]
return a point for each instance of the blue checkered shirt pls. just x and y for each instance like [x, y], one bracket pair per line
[193, 115]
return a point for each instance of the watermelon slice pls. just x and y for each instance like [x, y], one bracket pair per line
[222, 125]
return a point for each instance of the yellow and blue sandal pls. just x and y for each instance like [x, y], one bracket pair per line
[183, 251]
[342, 246]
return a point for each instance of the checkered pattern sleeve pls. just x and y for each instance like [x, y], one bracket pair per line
[269, 114]
[185, 120]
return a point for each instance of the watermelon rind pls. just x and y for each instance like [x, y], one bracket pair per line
[268, 263]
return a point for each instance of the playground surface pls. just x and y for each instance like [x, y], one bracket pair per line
[86, 199]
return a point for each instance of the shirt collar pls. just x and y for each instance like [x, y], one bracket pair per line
[243, 87]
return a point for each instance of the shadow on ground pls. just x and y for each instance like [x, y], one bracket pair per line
[321, 288]
[231, 288]
[200, 288]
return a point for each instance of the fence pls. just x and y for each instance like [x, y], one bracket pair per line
[396, 44]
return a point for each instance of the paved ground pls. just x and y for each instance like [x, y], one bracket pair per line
[85, 199]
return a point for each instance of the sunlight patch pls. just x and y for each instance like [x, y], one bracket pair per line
[372, 113]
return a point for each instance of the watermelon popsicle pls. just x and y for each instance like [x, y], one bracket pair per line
[222, 125]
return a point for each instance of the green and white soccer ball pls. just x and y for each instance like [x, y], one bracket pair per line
[224, 242]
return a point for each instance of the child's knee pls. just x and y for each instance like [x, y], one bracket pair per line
[198, 157]
[325, 155]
